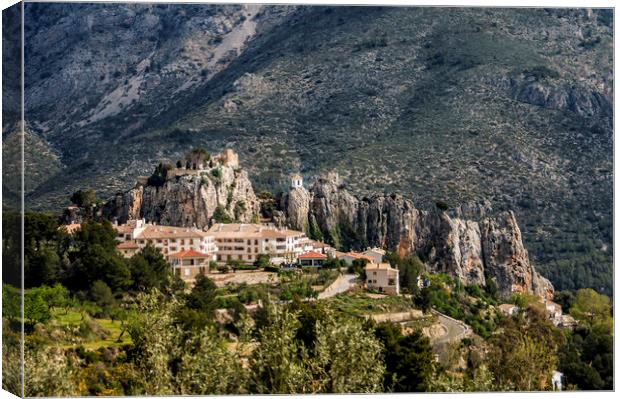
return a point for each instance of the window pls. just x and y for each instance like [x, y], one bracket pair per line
[255, 242]
[374, 273]
[369, 281]
[187, 271]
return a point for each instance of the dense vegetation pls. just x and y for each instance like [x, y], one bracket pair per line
[99, 324]
[503, 91]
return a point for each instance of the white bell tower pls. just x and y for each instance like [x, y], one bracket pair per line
[296, 181]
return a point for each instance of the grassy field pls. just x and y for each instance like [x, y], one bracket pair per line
[109, 330]
[359, 303]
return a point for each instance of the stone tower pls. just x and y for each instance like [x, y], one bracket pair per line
[296, 181]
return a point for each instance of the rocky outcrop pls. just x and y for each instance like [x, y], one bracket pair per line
[474, 251]
[188, 197]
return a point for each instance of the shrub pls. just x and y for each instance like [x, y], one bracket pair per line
[220, 215]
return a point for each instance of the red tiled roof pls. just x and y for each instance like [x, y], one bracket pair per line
[312, 255]
[127, 245]
[190, 253]
[357, 255]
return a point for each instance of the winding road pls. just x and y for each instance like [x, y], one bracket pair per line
[455, 329]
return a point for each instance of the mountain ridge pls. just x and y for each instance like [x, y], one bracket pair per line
[511, 106]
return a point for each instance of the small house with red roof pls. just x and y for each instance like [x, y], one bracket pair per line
[189, 264]
[312, 259]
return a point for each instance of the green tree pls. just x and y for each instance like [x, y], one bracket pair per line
[409, 360]
[36, 309]
[96, 258]
[56, 296]
[202, 296]
[220, 215]
[565, 299]
[279, 364]
[149, 269]
[207, 367]
[11, 302]
[523, 353]
[262, 261]
[84, 198]
[41, 259]
[102, 295]
[346, 357]
[590, 306]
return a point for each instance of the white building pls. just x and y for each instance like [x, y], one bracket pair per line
[246, 242]
[189, 264]
[375, 253]
[137, 234]
[296, 181]
[383, 277]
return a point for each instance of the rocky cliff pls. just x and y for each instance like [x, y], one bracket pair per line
[475, 251]
[187, 197]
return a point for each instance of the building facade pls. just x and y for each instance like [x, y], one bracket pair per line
[382, 277]
[189, 264]
[246, 242]
[137, 234]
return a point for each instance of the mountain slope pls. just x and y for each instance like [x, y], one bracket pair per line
[513, 106]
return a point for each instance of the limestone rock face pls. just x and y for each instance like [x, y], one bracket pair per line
[507, 260]
[188, 198]
[297, 208]
[475, 251]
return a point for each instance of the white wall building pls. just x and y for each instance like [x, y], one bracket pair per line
[383, 277]
[137, 234]
[246, 242]
[296, 181]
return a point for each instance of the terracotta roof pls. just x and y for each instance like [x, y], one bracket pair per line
[190, 253]
[249, 230]
[319, 244]
[152, 231]
[386, 266]
[356, 255]
[127, 245]
[312, 255]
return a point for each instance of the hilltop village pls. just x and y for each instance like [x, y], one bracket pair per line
[220, 246]
[191, 267]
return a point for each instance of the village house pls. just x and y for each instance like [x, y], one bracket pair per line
[246, 242]
[376, 254]
[189, 264]
[311, 259]
[349, 257]
[320, 247]
[383, 277]
[137, 234]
